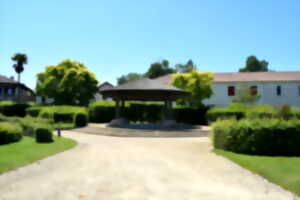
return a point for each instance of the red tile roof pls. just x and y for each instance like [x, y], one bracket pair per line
[249, 77]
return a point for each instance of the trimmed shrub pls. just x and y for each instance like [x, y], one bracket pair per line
[9, 108]
[63, 117]
[241, 111]
[43, 135]
[81, 120]
[34, 111]
[272, 137]
[104, 112]
[101, 111]
[10, 132]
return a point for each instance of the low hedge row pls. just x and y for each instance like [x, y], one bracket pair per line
[10, 132]
[9, 108]
[104, 112]
[241, 111]
[60, 114]
[272, 137]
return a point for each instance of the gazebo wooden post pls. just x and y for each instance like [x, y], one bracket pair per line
[168, 109]
[117, 109]
[122, 107]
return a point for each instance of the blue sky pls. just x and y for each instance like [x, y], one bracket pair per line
[113, 37]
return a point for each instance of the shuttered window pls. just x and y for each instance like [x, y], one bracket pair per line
[231, 91]
[278, 90]
[253, 90]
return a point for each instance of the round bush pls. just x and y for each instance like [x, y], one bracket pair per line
[43, 135]
[10, 132]
[81, 120]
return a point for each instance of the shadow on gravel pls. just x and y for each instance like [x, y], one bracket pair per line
[145, 130]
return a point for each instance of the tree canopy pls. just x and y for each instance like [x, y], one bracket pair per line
[255, 65]
[158, 69]
[68, 82]
[129, 77]
[197, 83]
[188, 67]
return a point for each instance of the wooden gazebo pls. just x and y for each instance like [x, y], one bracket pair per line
[143, 90]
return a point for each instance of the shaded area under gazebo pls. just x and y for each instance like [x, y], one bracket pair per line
[144, 90]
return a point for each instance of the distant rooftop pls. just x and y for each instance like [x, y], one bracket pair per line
[287, 76]
[4, 79]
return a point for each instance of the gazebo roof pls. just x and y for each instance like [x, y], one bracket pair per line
[144, 89]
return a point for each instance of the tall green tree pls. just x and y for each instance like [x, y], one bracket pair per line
[197, 83]
[129, 77]
[20, 60]
[255, 65]
[188, 67]
[68, 82]
[158, 69]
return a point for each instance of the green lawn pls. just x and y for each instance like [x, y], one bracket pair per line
[27, 151]
[284, 171]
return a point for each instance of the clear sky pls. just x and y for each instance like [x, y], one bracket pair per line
[115, 37]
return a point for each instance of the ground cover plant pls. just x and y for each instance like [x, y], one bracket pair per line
[283, 171]
[27, 150]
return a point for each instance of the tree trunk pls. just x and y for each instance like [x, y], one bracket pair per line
[19, 88]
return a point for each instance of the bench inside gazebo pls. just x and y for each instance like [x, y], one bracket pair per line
[144, 90]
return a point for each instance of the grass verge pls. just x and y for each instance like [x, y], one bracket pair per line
[283, 171]
[26, 151]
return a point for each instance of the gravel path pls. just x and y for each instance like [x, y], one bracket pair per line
[135, 168]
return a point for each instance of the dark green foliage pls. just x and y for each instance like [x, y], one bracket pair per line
[63, 117]
[34, 111]
[255, 65]
[104, 112]
[9, 108]
[193, 116]
[101, 111]
[240, 111]
[10, 132]
[81, 120]
[129, 77]
[272, 137]
[158, 69]
[44, 135]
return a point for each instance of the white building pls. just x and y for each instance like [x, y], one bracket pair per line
[105, 85]
[274, 88]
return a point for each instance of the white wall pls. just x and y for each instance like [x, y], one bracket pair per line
[267, 91]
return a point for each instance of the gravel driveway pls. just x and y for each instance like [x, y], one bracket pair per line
[135, 168]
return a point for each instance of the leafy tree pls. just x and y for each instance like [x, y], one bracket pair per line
[21, 60]
[255, 65]
[197, 83]
[158, 69]
[188, 67]
[69, 82]
[129, 77]
[244, 95]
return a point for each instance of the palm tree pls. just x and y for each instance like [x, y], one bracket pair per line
[21, 60]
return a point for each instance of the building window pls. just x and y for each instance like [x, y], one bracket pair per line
[253, 90]
[5, 90]
[0, 90]
[231, 91]
[299, 90]
[278, 90]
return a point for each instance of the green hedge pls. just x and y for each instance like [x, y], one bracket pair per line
[9, 108]
[10, 132]
[58, 114]
[104, 112]
[273, 137]
[241, 111]
[81, 120]
[44, 135]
